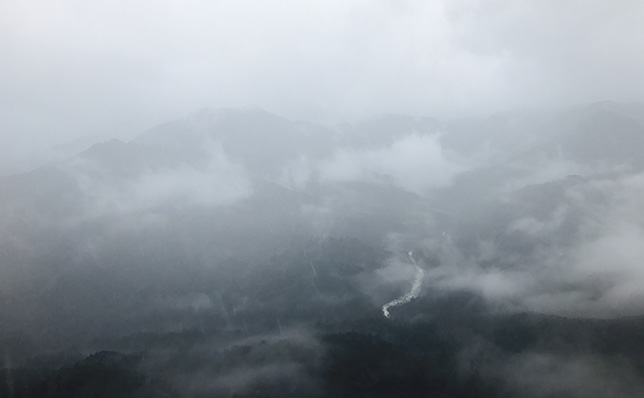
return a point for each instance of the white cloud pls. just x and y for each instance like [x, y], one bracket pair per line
[415, 163]
[220, 182]
[585, 259]
[73, 68]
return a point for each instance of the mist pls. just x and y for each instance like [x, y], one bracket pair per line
[321, 199]
[74, 73]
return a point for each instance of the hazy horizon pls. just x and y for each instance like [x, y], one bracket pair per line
[112, 69]
[325, 198]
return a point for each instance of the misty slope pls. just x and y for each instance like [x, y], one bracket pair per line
[93, 244]
[261, 141]
[243, 222]
[600, 135]
[213, 186]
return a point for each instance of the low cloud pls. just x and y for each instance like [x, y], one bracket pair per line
[416, 163]
[547, 375]
[581, 259]
[261, 363]
[219, 182]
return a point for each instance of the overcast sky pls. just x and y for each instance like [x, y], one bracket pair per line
[75, 67]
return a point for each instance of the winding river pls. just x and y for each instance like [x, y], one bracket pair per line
[412, 294]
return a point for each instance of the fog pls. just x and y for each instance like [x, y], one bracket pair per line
[73, 71]
[522, 247]
[321, 199]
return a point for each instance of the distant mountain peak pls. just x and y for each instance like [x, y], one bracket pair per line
[217, 124]
[104, 147]
[215, 114]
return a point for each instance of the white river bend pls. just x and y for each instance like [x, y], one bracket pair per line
[413, 293]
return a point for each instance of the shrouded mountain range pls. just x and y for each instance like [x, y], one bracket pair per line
[234, 224]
